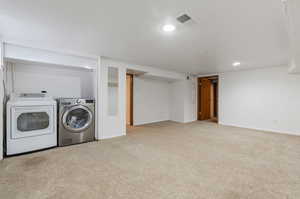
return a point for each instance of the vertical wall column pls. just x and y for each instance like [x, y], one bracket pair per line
[112, 99]
[292, 8]
[1, 98]
[97, 89]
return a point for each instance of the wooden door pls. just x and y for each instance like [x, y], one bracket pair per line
[205, 99]
[129, 99]
[216, 98]
[199, 100]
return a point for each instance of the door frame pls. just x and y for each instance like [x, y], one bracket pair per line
[131, 97]
[199, 94]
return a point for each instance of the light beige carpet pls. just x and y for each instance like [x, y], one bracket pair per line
[165, 160]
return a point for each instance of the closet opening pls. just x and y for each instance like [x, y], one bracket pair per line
[208, 98]
[129, 100]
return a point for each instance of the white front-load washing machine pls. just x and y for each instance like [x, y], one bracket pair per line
[30, 123]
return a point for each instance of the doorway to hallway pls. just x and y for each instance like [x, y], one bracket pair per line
[208, 98]
[129, 100]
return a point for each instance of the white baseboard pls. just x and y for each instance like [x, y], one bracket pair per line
[150, 122]
[261, 129]
[111, 136]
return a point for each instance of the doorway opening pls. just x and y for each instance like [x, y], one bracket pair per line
[208, 98]
[129, 100]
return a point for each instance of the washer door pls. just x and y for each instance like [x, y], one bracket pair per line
[77, 118]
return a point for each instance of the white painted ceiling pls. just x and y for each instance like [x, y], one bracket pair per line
[250, 31]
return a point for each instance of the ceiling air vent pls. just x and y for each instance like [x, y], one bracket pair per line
[184, 18]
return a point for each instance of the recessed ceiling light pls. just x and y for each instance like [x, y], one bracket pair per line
[236, 64]
[88, 67]
[169, 28]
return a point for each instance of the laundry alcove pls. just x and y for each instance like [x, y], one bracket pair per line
[58, 81]
[60, 74]
[29, 70]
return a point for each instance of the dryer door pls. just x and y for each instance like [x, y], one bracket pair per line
[77, 118]
[31, 121]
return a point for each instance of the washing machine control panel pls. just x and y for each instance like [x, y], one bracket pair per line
[89, 101]
[65, 103]
[80, 101]
[85, 101]
[77, 101]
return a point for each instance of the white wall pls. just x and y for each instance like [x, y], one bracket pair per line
[266, 99]
[190, 106]
[158, 100]
[183, 100]
[58, 81]
[150, 100]
[177, 101]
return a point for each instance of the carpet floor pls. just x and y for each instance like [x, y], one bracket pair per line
[162, 161]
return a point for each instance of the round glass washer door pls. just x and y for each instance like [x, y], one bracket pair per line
[77, 118]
